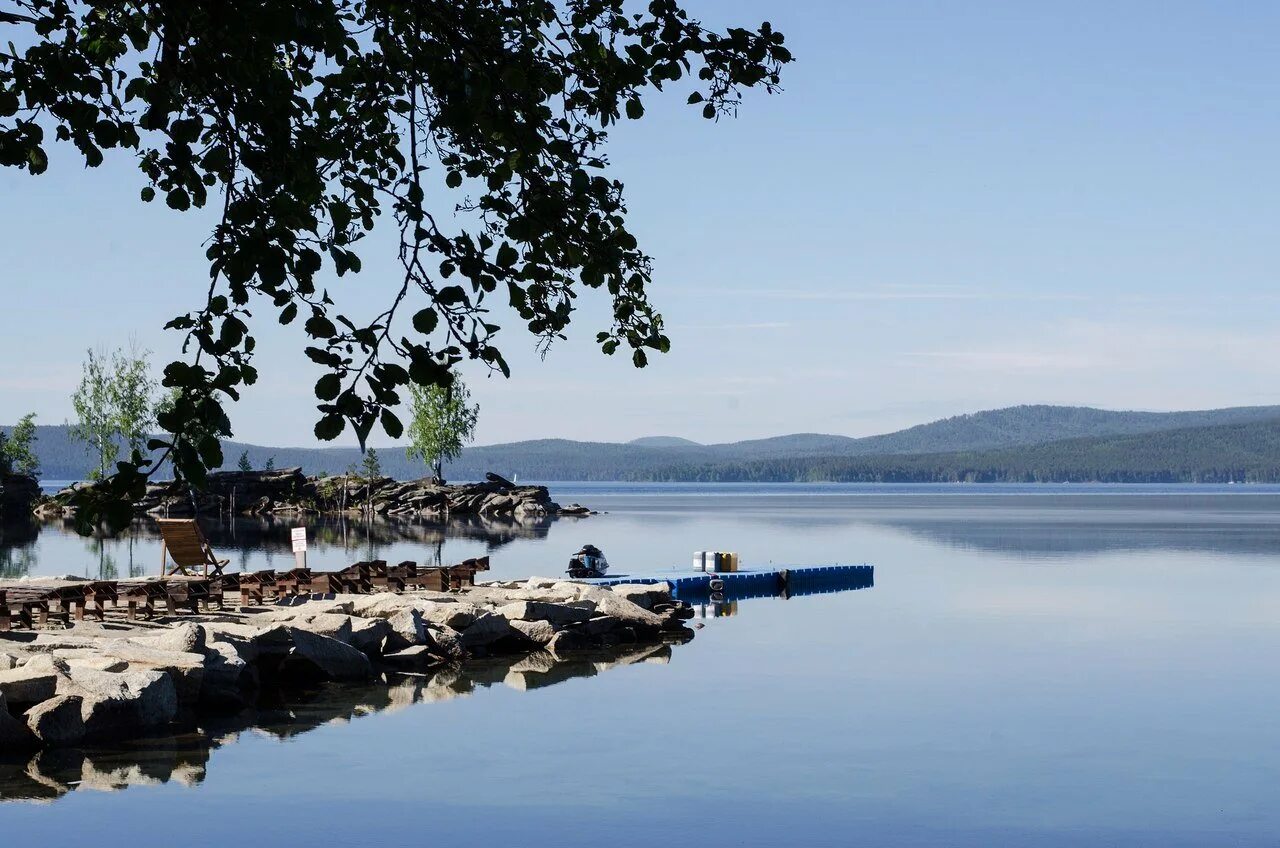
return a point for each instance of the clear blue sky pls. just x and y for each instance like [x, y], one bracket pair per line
[952, 207]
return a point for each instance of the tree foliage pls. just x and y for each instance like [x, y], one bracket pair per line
[115, 405]
[479, 128]
[442, 421]
[133, 399]
[18, 452]
[94, 404]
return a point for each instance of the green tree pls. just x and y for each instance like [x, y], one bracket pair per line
[244, 463]
[6, 466]
[94, 404]
[115, 398]
[19, 451]
[271, 463]
[370, 470]
[133, 396]
[305, 122]
[442, 422]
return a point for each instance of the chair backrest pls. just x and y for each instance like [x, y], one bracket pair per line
[185, 543]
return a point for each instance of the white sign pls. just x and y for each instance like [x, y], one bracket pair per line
[299, 535]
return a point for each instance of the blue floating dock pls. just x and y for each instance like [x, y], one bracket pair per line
[741, 585]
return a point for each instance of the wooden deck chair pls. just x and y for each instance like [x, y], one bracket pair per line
[184, 543]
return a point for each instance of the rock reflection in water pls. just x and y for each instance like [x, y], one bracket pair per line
[184, 758]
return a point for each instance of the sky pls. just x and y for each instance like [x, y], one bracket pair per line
[951, 207]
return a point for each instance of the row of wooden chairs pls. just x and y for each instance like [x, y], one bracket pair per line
[34, 603]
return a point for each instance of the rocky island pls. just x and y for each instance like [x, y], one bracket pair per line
[289, 491]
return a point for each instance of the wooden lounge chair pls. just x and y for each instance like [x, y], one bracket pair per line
[184, 543]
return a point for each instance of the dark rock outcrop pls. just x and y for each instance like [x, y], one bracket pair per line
[288, 490]
[19, 494]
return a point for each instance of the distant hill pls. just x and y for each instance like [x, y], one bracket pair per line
[1225, 453]
[663, 442]
[671, 458]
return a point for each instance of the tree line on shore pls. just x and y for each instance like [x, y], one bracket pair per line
[1239, 453]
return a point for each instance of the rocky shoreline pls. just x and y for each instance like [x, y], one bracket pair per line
[117, 680]
[289, 491]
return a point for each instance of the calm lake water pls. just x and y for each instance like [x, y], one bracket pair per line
[1035, 666]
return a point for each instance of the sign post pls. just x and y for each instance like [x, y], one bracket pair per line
[299, 536]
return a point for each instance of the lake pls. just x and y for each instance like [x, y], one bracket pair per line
[1034, 666]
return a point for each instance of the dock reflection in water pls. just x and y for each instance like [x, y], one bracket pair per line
[183, 759]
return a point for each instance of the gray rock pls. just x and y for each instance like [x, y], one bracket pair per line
[537, 632]
[31, 683]
[226, 675]
[407, 629]
[541, 611]
[456, 615]
[486, 629]
[122, 703]
[96, 662]
[446, 643]
[14, 733]
[642, 595]
[8, 661]
[328, 624]
[568, 641]
[601, 625]
[186, 669]
[410, 657]
[369, 634]
[57, 721]
[186, 638]
[335, 660]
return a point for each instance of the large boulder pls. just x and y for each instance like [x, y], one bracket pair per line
[457, 615]
[186, 669]
[331, 658]
[407, 629]
[537, 632]
[369, 634]
[14, 733]
[644, 595]
[328, 624]
[33, 682]
[446, 643]
[609, 603]
[559, 614]
[226, 675]
[186, 638]
[58, 721]
[486, 629]
[115, 704]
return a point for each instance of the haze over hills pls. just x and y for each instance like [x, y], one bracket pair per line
[810, 456]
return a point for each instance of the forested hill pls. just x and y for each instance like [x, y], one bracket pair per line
[1240, 453]
[668, 457]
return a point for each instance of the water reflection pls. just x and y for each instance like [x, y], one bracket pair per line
[184, 758]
